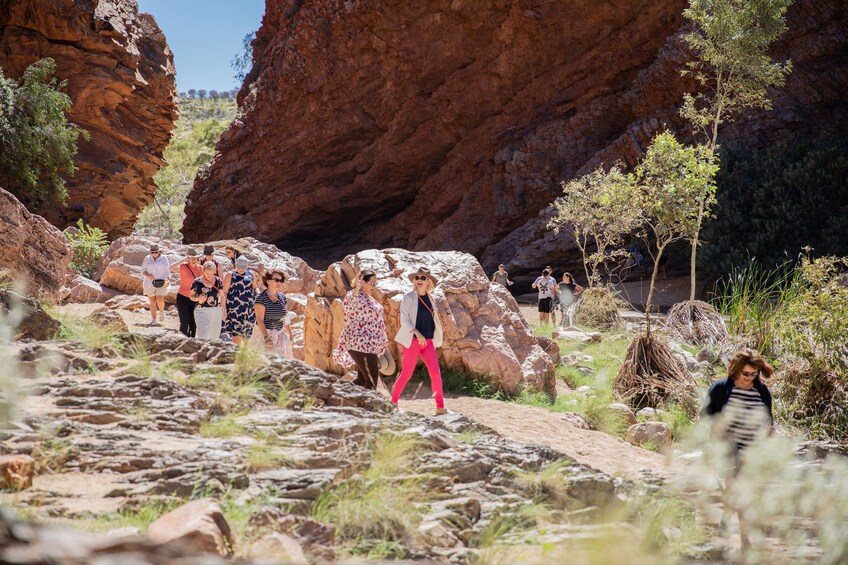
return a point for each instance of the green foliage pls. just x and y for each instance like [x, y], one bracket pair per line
[88, 244]
[223, 427]
[731, 39]
[750, 298]
[198, 130]
[813, 325]
[675, 187]
[37, 143]
[243, 60]
[598, 209]
[88, 334]
[380, 503]
[773, 202]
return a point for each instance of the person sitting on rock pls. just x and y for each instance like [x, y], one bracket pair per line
[272, 329]
[420, 334]
[208, 291]
[501, 276]
[546, 286]
[567, 293]
[363, 339]
[157, 275]
[208, 255]
[240, 290]
[189, 270]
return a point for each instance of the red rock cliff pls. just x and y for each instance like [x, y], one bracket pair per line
[120, 75]
[449, 124]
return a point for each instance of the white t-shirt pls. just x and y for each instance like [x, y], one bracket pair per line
[159, 268]
[546, 286]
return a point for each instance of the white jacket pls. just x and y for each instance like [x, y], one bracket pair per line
[408, 316]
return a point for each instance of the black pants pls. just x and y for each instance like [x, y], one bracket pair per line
[185, 308]
[367, 369]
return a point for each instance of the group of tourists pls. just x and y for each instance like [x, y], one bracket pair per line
[241, 303]
[552, 295]
[363, 341]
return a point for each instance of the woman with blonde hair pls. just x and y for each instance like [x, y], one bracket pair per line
[363, 338]
[420, 334]
[208, 291]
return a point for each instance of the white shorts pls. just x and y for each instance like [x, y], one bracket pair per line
[150, 290]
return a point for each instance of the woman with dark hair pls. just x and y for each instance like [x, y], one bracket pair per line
[272, 329]
[743, 402]
[189, 270]
[420, 334]
[363, 338]
[567, 293]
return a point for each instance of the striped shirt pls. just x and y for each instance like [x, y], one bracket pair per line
[746, 415]
[275, 312]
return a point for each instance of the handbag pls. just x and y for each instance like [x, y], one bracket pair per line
[158, 283]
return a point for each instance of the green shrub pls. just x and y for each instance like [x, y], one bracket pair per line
[37, 143]
[88, 244]
[773, 202]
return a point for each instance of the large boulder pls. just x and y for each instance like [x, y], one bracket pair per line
[31, 248]
[80, 289]
[120, 77]
[485, 333]
[28, 317]
[120, 266]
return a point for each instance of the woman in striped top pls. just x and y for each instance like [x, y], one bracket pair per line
[272, 328]
[744, 401]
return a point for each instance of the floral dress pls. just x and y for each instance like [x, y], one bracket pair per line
[364, 329]
[240, 298]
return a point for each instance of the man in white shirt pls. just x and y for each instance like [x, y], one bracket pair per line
[157, 274]
[546, 286]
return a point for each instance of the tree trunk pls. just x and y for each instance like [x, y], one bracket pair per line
[651, 290]
[692, 272]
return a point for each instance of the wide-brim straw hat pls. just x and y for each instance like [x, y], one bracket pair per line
[423, 271]
[386, 363]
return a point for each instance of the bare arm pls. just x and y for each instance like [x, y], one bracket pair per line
[259, 309]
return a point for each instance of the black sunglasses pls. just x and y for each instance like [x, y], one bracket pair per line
[277, 280]
[420, 278]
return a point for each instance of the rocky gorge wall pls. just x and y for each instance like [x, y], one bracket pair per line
[449, 125]
[121, 80]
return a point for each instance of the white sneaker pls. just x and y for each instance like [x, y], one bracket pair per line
[161, 315]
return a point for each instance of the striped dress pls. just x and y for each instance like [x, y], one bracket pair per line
[746, 417]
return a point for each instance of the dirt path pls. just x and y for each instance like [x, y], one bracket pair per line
[538, 426]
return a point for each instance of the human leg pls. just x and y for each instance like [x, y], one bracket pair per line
[408, 362]
[367, 369]
[185, 310]
[160, 303]
[215, 323]
[431, 361]
[152, 300]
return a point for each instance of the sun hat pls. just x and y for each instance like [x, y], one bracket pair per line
[386, 363]
[241, 262]
[192, 252]
[154, 248]
[208, 250]
[423, 271]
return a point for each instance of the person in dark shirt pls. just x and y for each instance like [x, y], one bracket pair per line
[420, 334]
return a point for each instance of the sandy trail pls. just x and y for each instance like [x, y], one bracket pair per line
[538, 426]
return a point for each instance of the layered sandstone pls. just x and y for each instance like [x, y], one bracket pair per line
[484, 332]
[120, 78]
[31, 249]
[449, 124]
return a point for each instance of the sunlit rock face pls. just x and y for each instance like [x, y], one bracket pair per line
[121, 80]
[443, 125]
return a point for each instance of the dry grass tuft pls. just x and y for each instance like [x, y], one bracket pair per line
[698, 324]
[598, 308]
[651, 376]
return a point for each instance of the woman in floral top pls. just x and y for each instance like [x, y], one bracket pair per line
[363, 337]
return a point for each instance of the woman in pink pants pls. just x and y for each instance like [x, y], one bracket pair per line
[420, 334]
